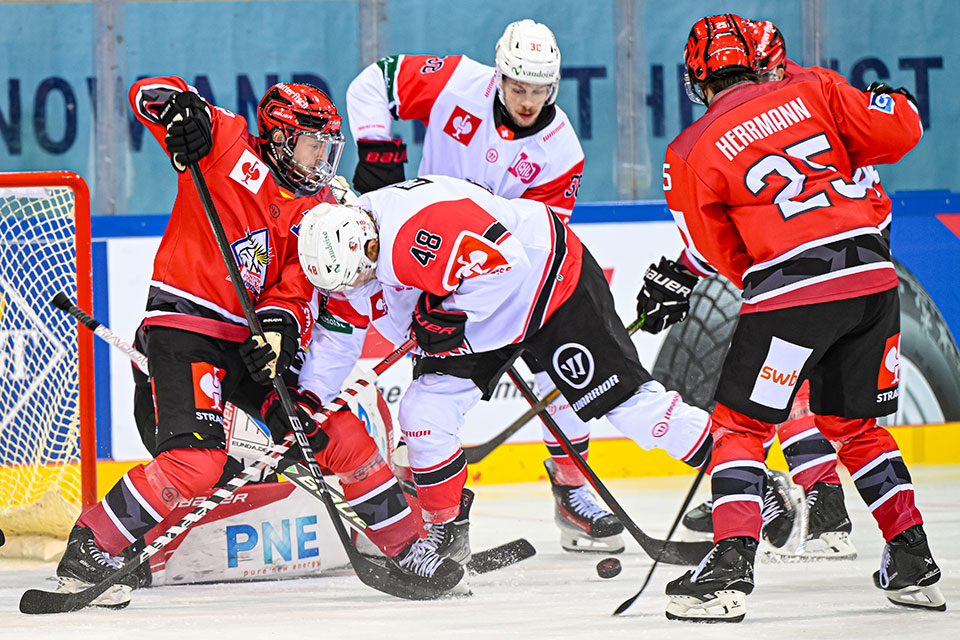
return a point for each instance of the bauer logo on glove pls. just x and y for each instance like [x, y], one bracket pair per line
[664, 298]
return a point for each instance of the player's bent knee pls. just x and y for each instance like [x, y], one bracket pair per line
[189, 471]
[350, 445]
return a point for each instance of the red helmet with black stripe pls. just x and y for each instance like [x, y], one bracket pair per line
[771, 50]
[300, 132]
[717, 46]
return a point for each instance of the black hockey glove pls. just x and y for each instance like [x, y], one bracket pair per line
[664, 298]
[882, 88]
[187, 119]
[266, 360]
[276, 420]
[437, 330]
[380, 163]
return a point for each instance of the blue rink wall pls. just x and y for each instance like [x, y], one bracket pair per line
[232, 51]
[926, 238]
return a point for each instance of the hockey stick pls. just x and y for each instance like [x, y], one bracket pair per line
[626, 604]
[670, 552]
[481, 562]
[372, 575]
[478, 452]
[35, 601]
[62, 302]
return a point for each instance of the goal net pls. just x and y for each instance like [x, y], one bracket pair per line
[46, 364]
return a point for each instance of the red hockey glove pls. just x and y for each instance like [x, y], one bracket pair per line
[187, 119]
[664, 298]
[435, 329]
[379, 163]
[276, 420]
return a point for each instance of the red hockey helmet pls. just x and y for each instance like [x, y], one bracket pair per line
[771, 50]
[300, 130]
[717, 46]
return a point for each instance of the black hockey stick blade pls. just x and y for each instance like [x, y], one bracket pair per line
[37, 601]
[501, 556]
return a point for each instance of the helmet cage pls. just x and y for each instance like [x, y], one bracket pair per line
[285, 114]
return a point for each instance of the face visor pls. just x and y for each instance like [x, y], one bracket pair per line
[311, 161]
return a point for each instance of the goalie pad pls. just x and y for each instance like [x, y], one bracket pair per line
[266, 531]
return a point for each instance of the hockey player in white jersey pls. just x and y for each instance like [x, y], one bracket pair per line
[500, 128]
[477, 279]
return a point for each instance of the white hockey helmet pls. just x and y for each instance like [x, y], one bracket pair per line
[528, 52]
[332, 246]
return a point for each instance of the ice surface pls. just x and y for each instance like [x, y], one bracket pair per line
[554, 595]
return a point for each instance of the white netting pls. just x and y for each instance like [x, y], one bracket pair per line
[40, 487]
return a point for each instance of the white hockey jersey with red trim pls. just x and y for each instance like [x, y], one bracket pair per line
[453, 96]
[508, 264]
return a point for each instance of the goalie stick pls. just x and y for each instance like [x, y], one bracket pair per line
[481, 562]
[476, 453]
[668, 551]
[36, 601]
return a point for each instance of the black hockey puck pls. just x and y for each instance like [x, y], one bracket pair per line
[2, 539]
[609, 568]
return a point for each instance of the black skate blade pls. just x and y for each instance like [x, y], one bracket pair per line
[501, 556]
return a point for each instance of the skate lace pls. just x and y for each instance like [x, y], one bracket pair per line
[812, 498]
[582, 502]
[103, 558]
[703, 564]
[772, 507]
[422, 557]
[435, 535]
[884, 579]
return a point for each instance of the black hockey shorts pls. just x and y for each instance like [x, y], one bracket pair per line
[191, 377]
[584, 347]
[848, 349]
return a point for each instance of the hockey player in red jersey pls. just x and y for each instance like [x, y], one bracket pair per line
[811, 458]
[500, 128]
[200, 348]
[477, 279]
[761, 190]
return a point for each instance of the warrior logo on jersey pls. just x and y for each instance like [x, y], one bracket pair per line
[473, 256]
[890, 367]
[249, 171]
[525, 170]
[252, 253]
[881, 102]
[574, 363]
[462, 126]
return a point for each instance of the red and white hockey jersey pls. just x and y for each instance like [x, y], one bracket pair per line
[508, 264]
[760, 188]
[190, 288]
[453, 97]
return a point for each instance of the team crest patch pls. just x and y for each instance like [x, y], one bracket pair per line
[525, 170]
[890, 367]
[207, 390]
[252, 253]
[462, 126]
[250, 171]
[881, 102]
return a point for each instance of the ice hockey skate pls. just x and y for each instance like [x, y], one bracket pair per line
[421, 563]
[584, 525]
[908, 573]
[452, 539]
[84, 564]
[826, 525]
[716, 590]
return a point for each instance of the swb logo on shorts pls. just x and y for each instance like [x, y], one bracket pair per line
[574, 363]
[779, 373]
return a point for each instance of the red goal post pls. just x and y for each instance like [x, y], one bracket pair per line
[47, 415]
